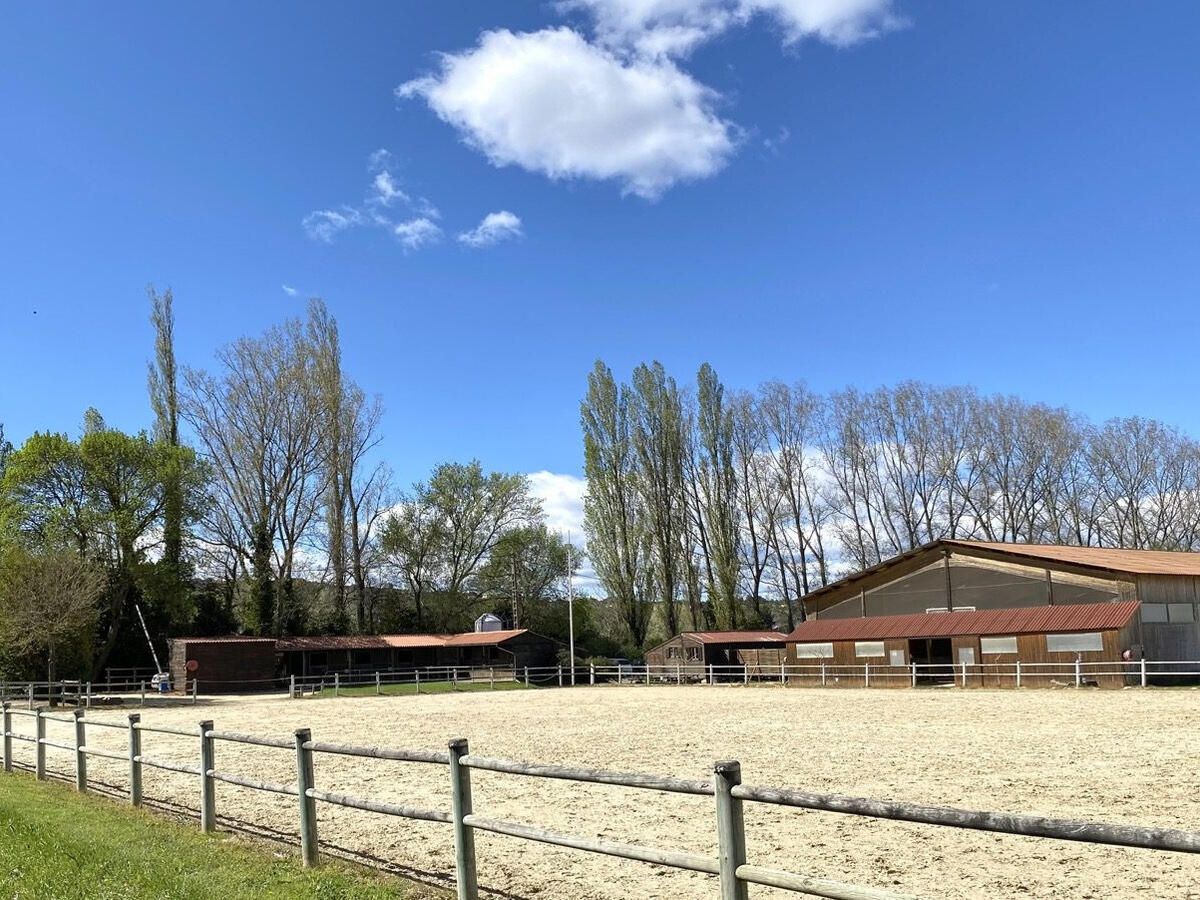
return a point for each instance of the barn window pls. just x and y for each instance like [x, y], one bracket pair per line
[1074, 643]
[693, 654]
[997, 645]
[1180, 612]
[672, 653]
[868, 649]
[814, 651]
[1154, 612]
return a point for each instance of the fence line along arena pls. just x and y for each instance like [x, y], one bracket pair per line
[1090, 756]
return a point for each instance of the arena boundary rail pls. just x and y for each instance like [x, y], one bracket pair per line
[730, 866]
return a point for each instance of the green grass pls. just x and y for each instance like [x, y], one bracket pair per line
[431, 687]
[56, 844]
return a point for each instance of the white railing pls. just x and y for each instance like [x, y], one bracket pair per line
[730, 866]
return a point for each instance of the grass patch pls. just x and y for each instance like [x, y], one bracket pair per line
[56, 844]
[430, 687]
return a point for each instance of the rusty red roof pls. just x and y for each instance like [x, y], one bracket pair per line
[397, 641]
[731, 637]
[1133, 562]
[225, 639]
[1025, 620]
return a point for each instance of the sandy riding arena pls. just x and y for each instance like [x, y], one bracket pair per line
[1114, 756]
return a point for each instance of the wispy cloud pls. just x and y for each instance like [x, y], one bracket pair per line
[289, 290]
[495, 227]
[772, 144]
[326, 224]
[417, 233]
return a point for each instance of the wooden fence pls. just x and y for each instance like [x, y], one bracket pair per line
[731, 867]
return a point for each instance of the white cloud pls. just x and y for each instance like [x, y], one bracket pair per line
[379, 160]
[417, 233]
[551, 102]
[495, 227]
[674, 27]
[325, 224]
[562, 501]
[385, 190]
[289, 290]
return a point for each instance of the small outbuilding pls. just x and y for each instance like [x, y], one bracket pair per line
[230, 664]
[690, 653]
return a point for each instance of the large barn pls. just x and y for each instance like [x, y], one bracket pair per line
[967, 602]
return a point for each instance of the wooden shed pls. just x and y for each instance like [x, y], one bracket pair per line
[690, 653]
[223, 665]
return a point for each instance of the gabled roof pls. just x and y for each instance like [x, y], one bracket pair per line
[1105, 562]
[1025, 620]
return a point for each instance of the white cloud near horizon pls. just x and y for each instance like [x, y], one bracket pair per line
[551, 102]
[289, 290]
[495, 227]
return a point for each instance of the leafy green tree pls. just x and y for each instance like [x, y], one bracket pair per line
[614, 518]
[413, 541]
[527, 569]
[49, 606]
[718, 491]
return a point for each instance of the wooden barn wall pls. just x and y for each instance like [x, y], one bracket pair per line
[1166, 640]
[693, 669]
[224, 667]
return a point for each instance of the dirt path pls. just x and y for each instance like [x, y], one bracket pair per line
[1124, 756]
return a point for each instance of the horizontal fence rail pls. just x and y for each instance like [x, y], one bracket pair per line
[730, 866]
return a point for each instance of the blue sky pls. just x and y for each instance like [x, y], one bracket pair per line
[844, 191]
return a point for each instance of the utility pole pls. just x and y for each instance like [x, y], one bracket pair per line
[571, 605]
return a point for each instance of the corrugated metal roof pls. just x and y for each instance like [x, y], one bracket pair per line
[1134, 562]
[1026, 620]
[398, 641]
[732, 637]
[225, 639]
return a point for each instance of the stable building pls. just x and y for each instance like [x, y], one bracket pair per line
[955, 603]
[512, 649]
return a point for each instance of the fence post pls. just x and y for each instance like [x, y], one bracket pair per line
[914, 674]
[464, 835]
[783, 673]
[822, 673]
[1143, 662]
[31, 695]
[591, 673]
[195, 690]
[866, 674]
[647, 673]
[964, 674]
[1078, 674]
[418, 674]
[337, 684]
[1018, 673]
[88, 701]
[527, 676]
[731, 830]
[454, 678]
[560, 676]
[712, 679]
[135, 765]
[7, 726]
[745, 674]
[208, 784]
[378, 685]
[39, 732]
[80, 756]
[292, 688]
[143, 693]
[491, 679]
[308, 806]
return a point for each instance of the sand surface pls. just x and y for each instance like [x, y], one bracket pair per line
[1112, 756]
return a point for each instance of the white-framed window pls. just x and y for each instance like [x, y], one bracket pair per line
[1074, 643]
[997, 645]
[868, 649]
[693, 653]
[815, 651]
[672, 653]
